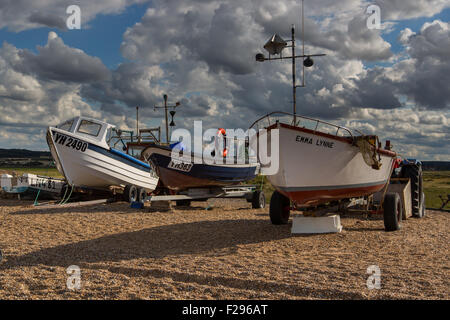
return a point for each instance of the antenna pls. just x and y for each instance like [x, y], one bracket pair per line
[137, 124]
[166, 107]
[303, 42]
[275, 46]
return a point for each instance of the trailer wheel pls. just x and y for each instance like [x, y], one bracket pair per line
[130, 193]
[392, 212]
[142, 194]
[280, 208]
[183, 203]
[414, 173]
[258, 200]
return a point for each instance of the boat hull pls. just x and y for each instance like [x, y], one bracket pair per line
[316, 167]
[195, 175]
[85, 164]
[32, 184]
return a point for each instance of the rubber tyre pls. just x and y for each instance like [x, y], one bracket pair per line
[258, 200]
[183, 203]
[414, 173]
[142, 194]
[393, 212]
[130, 194]
[280, 209]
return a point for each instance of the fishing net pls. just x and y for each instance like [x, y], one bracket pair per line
[367, 147]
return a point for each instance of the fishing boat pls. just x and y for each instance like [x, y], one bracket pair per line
[84, 153]
[197, 171]
[318, 161]
[32, 184]
[321, 162]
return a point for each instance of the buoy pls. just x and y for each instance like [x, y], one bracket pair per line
[221, 131]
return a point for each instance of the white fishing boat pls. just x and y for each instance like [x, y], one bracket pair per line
[321, 162]
[318, 162]
[82, 152]
[32, 184]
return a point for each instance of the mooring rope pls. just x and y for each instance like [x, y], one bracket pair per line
[368, 148]
[66, 200]
[36, 199]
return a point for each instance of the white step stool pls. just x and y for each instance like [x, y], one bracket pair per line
[329, 224]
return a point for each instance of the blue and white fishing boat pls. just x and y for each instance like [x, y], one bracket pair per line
[82, 152]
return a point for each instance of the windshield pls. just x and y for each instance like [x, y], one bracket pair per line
[65, 125]
[89, 127]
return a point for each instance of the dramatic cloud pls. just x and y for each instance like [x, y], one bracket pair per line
[19, 15]
[56, 61]
[407, 9]
[201, 53]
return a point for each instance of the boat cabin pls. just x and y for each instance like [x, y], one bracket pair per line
[95, 131]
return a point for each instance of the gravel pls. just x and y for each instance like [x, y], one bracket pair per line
[228, 252]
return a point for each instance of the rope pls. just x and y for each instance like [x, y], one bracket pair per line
[65, 201]
[368, 148]
[64, 196]
[36, 203]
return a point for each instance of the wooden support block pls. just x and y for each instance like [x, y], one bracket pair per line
[161, 206]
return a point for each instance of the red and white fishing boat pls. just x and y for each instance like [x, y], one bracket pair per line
[320, 162]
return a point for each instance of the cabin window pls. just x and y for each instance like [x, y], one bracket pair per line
[66, 125]
[89, 127]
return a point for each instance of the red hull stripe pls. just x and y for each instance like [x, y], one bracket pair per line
[347, 186]
[324, 195]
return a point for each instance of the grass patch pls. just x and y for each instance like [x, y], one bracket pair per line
[267, 188]
[51, 172]
[435, 184]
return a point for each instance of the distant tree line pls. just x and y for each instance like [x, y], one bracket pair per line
[436, 165]
[22, 153]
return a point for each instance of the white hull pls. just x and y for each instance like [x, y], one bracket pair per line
[315, 168]
[95, 166]
[31, 182]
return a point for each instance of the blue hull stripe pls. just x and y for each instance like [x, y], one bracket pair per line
[122, 157]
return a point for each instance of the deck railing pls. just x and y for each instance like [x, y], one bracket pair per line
[304, 122]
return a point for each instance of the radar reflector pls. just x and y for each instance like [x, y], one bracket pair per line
[275, 45]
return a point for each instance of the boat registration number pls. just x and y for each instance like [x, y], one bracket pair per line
[186, 167]
[44, 184]
[71, 142]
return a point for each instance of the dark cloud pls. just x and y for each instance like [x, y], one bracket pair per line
[19, 15]
[48, 20]
[56, 61]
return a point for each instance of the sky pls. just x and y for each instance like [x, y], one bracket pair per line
[392, 81]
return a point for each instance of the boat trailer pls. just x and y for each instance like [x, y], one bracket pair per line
[401, 198]
[251, 193]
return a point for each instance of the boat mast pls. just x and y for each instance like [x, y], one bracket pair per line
[303, 42]
[294, 87]
[137, 126]
[275, 46]
[177, 104]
